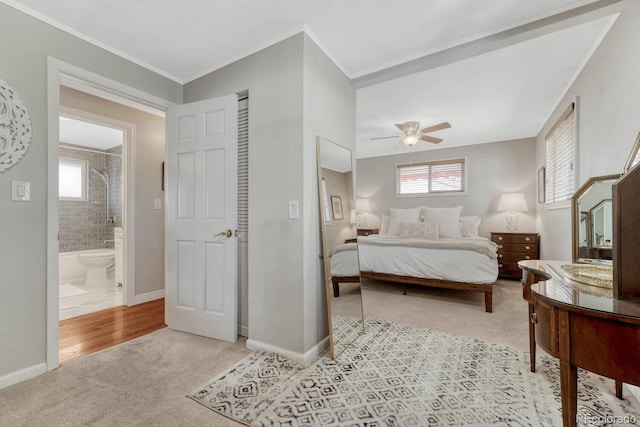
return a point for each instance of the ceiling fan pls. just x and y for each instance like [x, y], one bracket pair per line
[411, 133]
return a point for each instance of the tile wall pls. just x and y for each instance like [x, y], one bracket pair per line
[83, 224]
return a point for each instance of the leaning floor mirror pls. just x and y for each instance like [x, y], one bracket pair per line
[339, 247]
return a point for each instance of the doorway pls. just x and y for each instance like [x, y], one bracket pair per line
[91, 181]
[60, 75]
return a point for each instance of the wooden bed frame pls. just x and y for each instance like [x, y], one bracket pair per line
[487, 289]
[336, 280]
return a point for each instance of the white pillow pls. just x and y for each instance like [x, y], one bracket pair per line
[402, 215]
[469, 226]
[448, 220]
[384, 224]
[421, 230]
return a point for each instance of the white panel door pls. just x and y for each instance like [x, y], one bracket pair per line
[202, 255]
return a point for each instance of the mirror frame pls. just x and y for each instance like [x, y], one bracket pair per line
[325, 251]
[632, 156]
[575, 214]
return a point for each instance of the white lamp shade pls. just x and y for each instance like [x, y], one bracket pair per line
[363, 206]
[512, 202]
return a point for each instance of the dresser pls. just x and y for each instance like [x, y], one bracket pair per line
[514, 247]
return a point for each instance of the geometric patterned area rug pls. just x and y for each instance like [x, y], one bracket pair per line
[400, 375]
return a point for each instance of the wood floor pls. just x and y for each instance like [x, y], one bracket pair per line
[87, 334]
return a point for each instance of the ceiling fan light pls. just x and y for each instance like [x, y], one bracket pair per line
[410, 139]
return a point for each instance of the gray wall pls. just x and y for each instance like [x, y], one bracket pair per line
[295, 93]
[492, 169]
[339, 184]
[149, 155]
[608, 110]
[23, 224]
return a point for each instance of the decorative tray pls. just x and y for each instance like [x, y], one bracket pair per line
[590, 274]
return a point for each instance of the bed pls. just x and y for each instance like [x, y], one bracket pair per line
[343, 266]
[431, 247]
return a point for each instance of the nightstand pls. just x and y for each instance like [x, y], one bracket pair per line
[367, 231]
[514, 247]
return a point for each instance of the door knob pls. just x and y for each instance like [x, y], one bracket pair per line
[227, 233]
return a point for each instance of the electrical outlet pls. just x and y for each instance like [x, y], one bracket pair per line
[157, 204]
[294, 212]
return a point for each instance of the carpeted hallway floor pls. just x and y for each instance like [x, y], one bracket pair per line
[144, 382]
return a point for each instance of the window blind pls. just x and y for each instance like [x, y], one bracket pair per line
[560, 158]
[442, 176]
[243, 166]
[326, 210]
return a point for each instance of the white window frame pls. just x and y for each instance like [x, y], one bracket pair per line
[83, 172]
[326, 209]
[560, 160]
[428, 164]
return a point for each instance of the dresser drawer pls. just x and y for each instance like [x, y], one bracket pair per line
[517, 247]
[516, 256]
[514, 238]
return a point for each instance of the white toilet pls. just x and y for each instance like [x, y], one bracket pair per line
[97, 263]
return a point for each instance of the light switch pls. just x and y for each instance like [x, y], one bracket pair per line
[157, 203]
[20, 191]
[293, 209]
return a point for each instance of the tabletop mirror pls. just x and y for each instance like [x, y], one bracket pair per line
[592, 232]
[634, 156]
[339, 247]
[593, 221]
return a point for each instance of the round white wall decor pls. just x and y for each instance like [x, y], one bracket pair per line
[15, 127]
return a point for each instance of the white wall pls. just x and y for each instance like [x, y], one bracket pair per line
[492, 169]
[295, 92]
[23, 224]
[608, 110]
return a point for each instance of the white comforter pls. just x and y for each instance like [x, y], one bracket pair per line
[343, 260]
[460, 260]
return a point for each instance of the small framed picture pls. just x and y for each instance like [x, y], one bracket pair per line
[336, 207]
[541, 185]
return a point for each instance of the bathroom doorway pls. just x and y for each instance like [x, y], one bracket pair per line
[91, 211]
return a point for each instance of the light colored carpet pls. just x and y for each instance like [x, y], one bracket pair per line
[144, 382]
[401, 375]
[68, 290]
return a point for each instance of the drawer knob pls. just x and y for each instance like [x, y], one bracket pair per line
[499, 237]
[499, 265]
[527, 239]
[534, 318]
[499, 246]
[500, 256]
[527, 257]
[527, 247]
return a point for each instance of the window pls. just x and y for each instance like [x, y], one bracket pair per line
[560, 171]
[443, 176]
[326, 210]
[72, 181]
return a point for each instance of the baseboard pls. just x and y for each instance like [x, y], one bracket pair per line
[149, 296]
[302, 359]
[243, 331]
[22, 375]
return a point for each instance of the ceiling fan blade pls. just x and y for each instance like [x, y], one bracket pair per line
[439, 126]
[429, 138]
[384, 137]
[402, 126]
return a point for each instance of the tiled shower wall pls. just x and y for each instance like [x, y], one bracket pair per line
[83, 224]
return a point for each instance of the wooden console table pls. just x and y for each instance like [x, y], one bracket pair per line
[583, 326]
